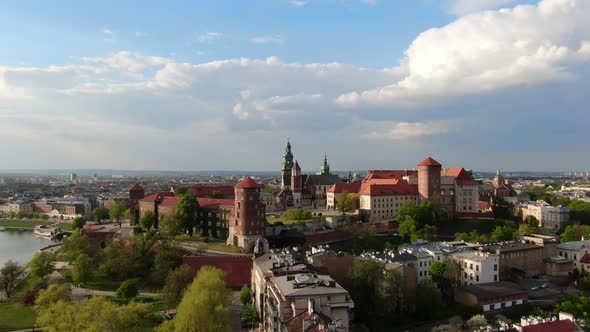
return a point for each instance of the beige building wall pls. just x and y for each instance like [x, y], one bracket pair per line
[384, 207]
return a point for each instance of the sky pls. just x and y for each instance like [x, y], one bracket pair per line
[222, 85]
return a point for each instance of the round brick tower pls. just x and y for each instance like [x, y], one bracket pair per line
[247, 224]
[429, 180]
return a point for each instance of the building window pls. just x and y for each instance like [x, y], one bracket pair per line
[495, 267]
[495, 277]
[477, 278]
[477, 268]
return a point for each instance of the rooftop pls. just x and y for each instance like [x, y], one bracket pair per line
[493, 290]
[248, 183]
[429, 162]
[565, 325]
[574, 245]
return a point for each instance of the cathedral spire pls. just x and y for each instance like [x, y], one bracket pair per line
[288, 157]
[325, 169]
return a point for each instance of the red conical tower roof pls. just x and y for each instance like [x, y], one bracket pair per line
[429, 162]
[248, 183]
[136, 187]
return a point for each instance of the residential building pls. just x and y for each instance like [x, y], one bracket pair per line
[575, 251]
[552, 217]
[585, 262]
[477, 267]
[565, 323]
[492, 296]
[520, 259]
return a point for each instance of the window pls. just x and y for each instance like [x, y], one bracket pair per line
[495, 267]
[477, 268]
[495, 277]
[477, 278]
[471, 266]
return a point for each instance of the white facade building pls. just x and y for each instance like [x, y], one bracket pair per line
[477, 267]
[549, 216]
[575, 251]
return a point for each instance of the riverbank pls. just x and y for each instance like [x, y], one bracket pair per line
[24, 224]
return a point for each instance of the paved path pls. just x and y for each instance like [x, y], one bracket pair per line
[84, 292]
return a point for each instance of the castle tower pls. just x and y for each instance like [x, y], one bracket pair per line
[429, 180]
[498, 180]
[325, 169]
[296, 185]
[247, 225]
[287, 167]
[135, 194]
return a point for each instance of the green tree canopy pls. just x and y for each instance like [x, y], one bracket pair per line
[42, 265]
[502, 233]
[176, 283]
[51, 295]
[9, 277]
[78, 222]
[297, 214]
[100, 213]
[187, 214]
[364, 284]
[117, 210]
[128, 289]
[245, 295]
[346, 202]
[205, 306]
[82, 269]
[148, 220]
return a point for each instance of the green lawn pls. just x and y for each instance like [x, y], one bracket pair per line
[224, 248]
[65, 226]
[22, 223]
[274, 220]
[16, 316]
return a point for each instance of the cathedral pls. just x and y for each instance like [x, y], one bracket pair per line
[304, 190]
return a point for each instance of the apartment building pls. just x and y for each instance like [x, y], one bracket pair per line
[575, 251]
[552, 217]
[477, 267]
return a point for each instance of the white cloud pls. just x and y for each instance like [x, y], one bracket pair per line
[298, 3]
[108, 32]
[140, 34]
[488, 51]
[267, 40]
[402, 131]
[209, 36]
[462, 7]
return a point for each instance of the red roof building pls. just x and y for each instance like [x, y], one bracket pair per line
[209, 189]
[429, 162]
[248, 183]
[565, 325]
[343, 187]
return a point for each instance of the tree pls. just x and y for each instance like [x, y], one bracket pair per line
[128, 289]
[428, 302]
[78, 222]
[438, 269]
[345, 202]
[181, 191]
[577, 305]
[575, 233]
[531, 221]
[96, 314]
[51, 295]
[250, 314]
[217, 194]
[9, 277]
[407, 228]
[297, 214]
[100, 213]
[475, 322]
[42, 265]
[81, 269]
[168, 226]
[398, 300]
[245, 295]
[148, 220]
[205, 305]
[502, 233]
[364, 283]
[75, 245]
[167, 258]
[187, 214]
[176, 283]
[430, 233]
[116, 211]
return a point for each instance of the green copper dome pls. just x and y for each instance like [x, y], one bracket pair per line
[287, 157]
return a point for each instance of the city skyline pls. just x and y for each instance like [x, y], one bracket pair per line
[220, 86]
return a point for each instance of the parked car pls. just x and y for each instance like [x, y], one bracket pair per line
[545, 285]
[534, 288]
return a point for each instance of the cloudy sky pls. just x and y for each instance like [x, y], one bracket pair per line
[168, 85]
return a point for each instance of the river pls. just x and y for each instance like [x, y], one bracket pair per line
[20, 246]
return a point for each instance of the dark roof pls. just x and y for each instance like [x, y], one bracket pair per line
[324, 180]
[136, 187]
[585, 259]
[565, 325]
[493, 290]
[248, 183]
[429, 162]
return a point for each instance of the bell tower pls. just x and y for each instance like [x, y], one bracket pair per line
[296, 184]
[287, 167]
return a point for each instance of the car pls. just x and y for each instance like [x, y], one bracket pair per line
[534, 288]
[545, 285]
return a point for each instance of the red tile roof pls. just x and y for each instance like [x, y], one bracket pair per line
[136, 187]
[460, 174]
[207, 190]
[214, 203]
[452, 171]
[395, 187]
[169, 201]
[345, 187]
[156, 196]
[389, 174]
[565, 325]
[429, 162]
[585, 259]
[248, 183]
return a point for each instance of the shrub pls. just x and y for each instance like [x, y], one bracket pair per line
[29, 297]
[128, 289]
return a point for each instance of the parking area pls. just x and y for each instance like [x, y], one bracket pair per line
[541, 288]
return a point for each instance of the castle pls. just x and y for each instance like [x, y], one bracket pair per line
[304, 190]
